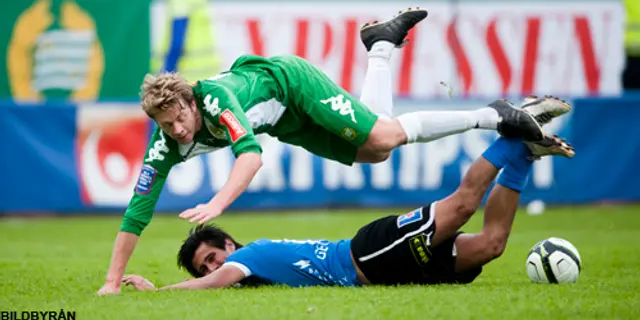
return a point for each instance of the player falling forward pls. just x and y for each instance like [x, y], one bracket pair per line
[420, 247]
[288, 98]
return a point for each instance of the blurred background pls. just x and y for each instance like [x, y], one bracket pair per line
[73, 134]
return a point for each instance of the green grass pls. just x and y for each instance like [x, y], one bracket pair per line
[54, 263]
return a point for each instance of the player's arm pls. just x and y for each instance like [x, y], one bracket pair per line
[160, 157]
[238, 266]
[226, 276]
[243, 142]
[222, 107]
[244, 170]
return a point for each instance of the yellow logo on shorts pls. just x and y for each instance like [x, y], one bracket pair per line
[419, 248]
[349, 133]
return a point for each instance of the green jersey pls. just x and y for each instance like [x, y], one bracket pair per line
[284, 97]
[234, 107]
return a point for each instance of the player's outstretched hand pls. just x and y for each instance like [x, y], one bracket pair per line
[201, 213]
[138, 282]
[109, 288]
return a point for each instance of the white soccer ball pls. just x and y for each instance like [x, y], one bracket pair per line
[554, 260]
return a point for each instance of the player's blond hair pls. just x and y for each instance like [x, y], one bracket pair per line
[163, 92]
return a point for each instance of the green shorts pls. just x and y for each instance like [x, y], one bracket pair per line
[335, 123]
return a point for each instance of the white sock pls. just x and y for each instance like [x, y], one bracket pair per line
[425, 126]
[377, 91]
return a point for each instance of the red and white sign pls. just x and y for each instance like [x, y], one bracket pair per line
[480, 48]
[111, 143]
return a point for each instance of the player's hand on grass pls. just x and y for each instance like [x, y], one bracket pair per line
[201, 213]
[138, 282]
[109, 288]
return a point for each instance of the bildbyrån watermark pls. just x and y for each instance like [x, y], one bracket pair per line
[38, 315]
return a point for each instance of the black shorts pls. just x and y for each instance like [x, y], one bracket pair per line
[397, 250]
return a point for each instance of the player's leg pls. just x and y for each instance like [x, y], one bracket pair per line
[478, 249]
[512, 155]
[396, 250]
[329, 106]
[475, 250]
[409, 248]
[381, 40]
[502, 204]
[425, 126]
[455, 210]
[370, 139]
[417, 247]
[460, 257]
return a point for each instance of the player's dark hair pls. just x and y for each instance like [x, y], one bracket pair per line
[209, 234]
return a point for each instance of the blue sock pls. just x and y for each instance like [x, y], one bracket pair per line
[512, 155]
[503, 149]
[516, 173]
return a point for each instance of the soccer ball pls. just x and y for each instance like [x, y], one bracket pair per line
[554, 260]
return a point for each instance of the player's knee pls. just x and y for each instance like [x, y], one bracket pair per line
[385, 136]
[497, 248]
[495, 244]
[368, 156]
[381, 157]
[380, 144]
[466, 205]
[464, 208]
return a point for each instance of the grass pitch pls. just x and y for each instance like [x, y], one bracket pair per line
[59, 263]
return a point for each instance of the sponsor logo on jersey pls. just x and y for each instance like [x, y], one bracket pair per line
[160, 146]
[342, 105]
[229, 120]
[145, 181]
[408, 218]
[211, 106]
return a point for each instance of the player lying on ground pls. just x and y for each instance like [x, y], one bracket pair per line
[288, 98]
[421, 247]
